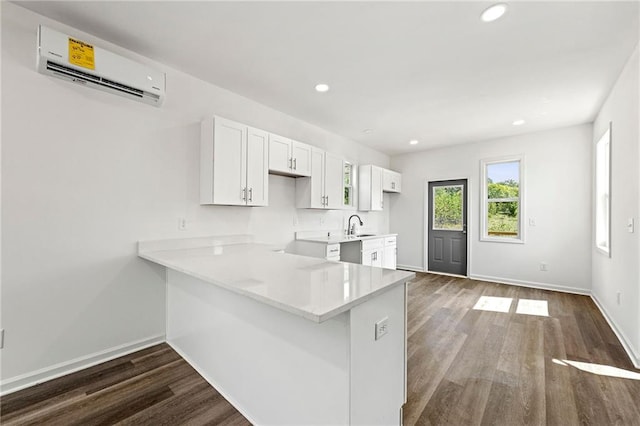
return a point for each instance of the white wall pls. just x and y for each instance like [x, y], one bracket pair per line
[557, 196]
[619, 273]
[86, 174]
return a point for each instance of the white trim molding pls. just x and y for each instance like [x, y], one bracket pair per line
[411, 268]
[484, 237]
[633, 354]
[531, 284]
[33, 378]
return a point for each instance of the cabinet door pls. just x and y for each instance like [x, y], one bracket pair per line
[257, 167]
[333, 176]
[279, 154]
[368, 257]
[301, 154]
[229, 162]
[389, 257]
[317, 179]
[376, 188]
[391, 181]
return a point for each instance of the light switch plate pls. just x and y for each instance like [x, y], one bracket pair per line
[382, 327]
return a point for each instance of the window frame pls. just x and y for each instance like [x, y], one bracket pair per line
[484, 201]
[606, 139]
[352, 186]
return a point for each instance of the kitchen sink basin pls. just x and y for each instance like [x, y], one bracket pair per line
[366, 235]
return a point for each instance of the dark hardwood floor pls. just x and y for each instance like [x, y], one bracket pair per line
[466, 367]
[154, 386]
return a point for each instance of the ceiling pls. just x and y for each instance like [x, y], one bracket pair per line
[431, 71]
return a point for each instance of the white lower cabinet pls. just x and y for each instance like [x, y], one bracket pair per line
[380, 252]
[317, 249]
[390, 254]
[372, 252]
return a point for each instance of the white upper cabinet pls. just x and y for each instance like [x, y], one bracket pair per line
[333, 181]
[391, 181]
[257, 167]
[324, 188]
[288, 157]
[234, 164]
[370, 188]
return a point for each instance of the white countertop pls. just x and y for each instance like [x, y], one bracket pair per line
[341, 238]
[313, 288]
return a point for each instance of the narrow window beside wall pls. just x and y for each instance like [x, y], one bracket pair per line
[602, 192]
[502, 200]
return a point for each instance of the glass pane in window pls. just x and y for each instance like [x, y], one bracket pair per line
[503, 180]
[347, 173]
[347, 195]
[502, 219]
[447, 212]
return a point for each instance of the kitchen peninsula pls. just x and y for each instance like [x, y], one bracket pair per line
[287, 339]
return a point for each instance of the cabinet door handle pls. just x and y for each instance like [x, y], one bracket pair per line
[290, 163]
[382, 204]
[244, 194]
[393, 185]
[250, 194]
[295, 164]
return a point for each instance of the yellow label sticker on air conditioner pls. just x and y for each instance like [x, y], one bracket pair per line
[81, 54]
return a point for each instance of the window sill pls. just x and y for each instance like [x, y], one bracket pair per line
[502, 240]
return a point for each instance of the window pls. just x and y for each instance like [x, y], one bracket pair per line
[502, 200]
[603, 201]
[348, 200]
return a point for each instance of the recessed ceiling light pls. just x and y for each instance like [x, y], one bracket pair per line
[519, 122]
[493, 12]
[322, 87]
[367, 131]
[413, 142]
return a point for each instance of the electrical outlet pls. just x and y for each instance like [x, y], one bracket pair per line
[532, 222]
[2, 338]
[618, 297]
[382, 327]
[543, 266]
[182, 224]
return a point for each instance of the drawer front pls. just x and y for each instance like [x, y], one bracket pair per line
[372, 244]
[333, 250]
[390, 241]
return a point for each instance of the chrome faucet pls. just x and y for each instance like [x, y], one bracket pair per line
[352, 229]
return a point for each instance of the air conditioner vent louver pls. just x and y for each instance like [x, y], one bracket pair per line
[71, 72]
[111, 73]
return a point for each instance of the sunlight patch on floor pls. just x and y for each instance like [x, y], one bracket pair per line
[533, 307]
[602, 370]
[494, 304]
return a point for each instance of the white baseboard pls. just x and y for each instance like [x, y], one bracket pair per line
[62, 369]
[628, 347]
[532, 284]
[410, 268]
[213, 383]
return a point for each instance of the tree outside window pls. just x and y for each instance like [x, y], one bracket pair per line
[502, 200]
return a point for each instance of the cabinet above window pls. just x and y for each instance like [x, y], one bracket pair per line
[288, 157]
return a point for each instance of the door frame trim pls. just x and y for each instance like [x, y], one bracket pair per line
[425, 220]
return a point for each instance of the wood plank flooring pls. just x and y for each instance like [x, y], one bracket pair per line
[465, 367]
[154, 386]
[481, 367]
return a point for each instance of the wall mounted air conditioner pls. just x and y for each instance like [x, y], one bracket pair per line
[74, 60]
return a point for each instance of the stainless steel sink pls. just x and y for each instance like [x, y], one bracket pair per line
[366, 235]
